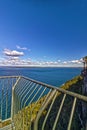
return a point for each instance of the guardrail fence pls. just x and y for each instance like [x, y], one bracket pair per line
[6, 83]
[34, 105]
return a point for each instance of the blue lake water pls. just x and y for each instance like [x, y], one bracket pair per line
[52, 76]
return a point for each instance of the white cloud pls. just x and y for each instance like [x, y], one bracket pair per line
[59, 60]
[12, 53]
[81, 60]
[12, 58]
[22, 48]
[65, 62]
[26, 62]
[76, 61]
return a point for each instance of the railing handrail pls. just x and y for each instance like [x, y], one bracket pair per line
[82, 97]
[18, 100]
[73, 94]
[2, 77]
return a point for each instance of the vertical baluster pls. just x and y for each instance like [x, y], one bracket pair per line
[2, 103]
[6, 113]
[72, 113]
[0, 99]
[59, 111]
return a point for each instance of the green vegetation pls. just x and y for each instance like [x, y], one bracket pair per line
[7, 122]
[26, 117]
[74, 84]
[85, 58]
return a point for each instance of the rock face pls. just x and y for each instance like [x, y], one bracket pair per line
[84, 104]
[84, 92]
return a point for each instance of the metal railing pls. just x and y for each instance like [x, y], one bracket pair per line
[6, 83]
[39, 106]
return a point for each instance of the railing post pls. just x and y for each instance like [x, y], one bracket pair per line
[72, 113]
[12, 104]
[43, 108]
[0, 123]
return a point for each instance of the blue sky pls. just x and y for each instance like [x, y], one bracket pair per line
[43, 32]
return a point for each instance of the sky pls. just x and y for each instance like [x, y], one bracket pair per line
[43, 32]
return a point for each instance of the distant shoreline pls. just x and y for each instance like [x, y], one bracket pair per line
[40, 67]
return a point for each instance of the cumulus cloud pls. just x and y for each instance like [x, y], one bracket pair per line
[76, 61]
[12, 58]
[16, 61]
[65, 62]
[81, 60]
[12, 53]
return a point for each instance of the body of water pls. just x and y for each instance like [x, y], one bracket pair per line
[52, 76]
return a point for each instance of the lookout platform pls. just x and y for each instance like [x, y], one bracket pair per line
[33, 105]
